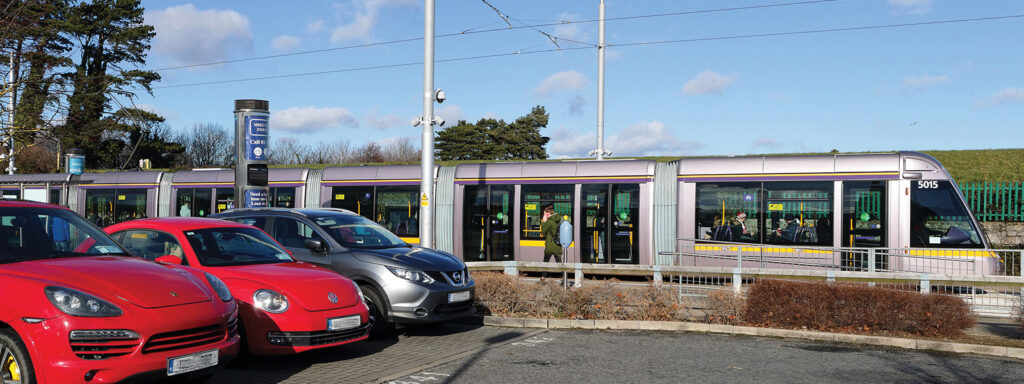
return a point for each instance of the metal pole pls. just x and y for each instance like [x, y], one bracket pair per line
[427, 153]
[10, 126]
[600, 85]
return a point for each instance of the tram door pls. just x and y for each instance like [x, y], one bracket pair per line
[864, 223]
[488, 222]
[610, 223]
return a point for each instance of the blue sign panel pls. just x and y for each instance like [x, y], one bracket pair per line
[256, 198]
[256, 136]
[76, 164]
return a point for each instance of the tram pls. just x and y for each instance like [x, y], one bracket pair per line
[622, 211]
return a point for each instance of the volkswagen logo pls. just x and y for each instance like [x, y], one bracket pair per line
[457, 277]
[332, 297]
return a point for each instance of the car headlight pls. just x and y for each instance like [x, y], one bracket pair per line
[219, 287]
[270, 301]
[411, 275]
[362, 299]
[77, 303]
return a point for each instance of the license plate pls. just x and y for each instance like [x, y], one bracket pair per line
[193, 362]
[459, 296]
[342, 323]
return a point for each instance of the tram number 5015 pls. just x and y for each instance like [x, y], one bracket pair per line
[928, 184]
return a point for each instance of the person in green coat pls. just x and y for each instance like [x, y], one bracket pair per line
[549, 229]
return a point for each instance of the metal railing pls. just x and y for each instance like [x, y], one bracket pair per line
[952, 261]
[995, 201]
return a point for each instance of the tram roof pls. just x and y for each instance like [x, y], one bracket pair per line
[840, 163]
[374, 172]
[556, 168]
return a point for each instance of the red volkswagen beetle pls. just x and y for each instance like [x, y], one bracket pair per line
[74, 309]
[287, 306]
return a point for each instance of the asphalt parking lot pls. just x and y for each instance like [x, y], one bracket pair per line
[407, 351]
[468, 353]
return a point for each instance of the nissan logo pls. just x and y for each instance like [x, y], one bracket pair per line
[457, 276]
[332, 297]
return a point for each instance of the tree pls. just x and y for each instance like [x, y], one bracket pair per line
[400, 151]
[206, 145]
[491, 139]
[42, 49]
[112, 37]
[369, 153]
[462, 141]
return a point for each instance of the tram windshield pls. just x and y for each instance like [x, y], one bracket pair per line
[938, 217]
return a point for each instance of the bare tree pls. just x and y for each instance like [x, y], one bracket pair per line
[206, 145]
[289, 151]
[400, 151]
[369, 153]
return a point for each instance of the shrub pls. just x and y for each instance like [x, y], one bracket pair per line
[857, 308]
[501, 294]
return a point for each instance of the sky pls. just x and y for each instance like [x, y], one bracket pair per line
[738, 77]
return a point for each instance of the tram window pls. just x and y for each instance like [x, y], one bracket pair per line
[358, 199]
[535, 197]
[12, 194]
[798, 213]
[938, 217]
[225, 199]
[283, 197]
[398, 210]
[55, 196]
[729, 212]
[194, 202]
[130, 204]
[99, 206]
[864, 215]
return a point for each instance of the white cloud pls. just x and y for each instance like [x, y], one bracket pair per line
[188, 35]
[708, 82]
[561, 81]
[912, 7]
[372, 119]
[309, 119]
[1006, 96]
[640, 139]
[364, 17]
[316, 26]
[924, 81]
[569, 31]
[285, 43]
[451, 114]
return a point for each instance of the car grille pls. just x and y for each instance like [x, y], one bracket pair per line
[449, 308]
[185, 339]
[100, 349]
[315, 338]
[233, 328]
[457, 278]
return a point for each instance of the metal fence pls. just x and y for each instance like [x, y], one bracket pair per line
[995, 201]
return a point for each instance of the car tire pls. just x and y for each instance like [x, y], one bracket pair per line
[378, 311]
[13, 351]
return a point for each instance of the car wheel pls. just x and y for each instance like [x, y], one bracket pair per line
[15, 364]
[378, 312]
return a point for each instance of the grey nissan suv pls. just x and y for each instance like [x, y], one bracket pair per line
[401, 283]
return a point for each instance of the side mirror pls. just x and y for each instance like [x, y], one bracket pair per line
[169, 259]
[315, 245]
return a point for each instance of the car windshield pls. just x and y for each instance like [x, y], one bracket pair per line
[28, 233]
[218, 247]
[354, 231]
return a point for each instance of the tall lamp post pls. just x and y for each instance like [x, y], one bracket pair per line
[428, 121]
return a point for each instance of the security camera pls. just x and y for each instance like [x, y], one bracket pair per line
[439, 95]
[438, 121]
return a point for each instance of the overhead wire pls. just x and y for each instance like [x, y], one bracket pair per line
[472, 31]
[628, 44]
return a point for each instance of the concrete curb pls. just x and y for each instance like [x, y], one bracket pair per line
[675, 326]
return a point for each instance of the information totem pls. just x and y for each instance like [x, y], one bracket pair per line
[252, 137]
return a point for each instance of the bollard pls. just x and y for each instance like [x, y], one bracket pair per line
[737, 281]
[510, 268]
[657, 274]
[871, 264]
[579, 275]
[926, 285]
[830, 276]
